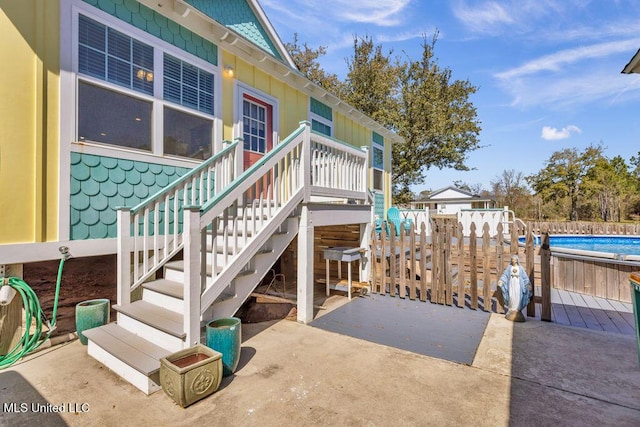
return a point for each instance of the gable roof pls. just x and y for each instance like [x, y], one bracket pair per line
[238, 44]
[634, 65]
[452, 188]
[247, 18]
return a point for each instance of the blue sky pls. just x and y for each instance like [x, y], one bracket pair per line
[548, 71]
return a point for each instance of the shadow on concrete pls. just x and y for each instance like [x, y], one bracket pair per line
[22, 405]
[246, 354]
[567, 375]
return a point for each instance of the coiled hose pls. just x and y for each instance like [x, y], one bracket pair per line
[33, 315]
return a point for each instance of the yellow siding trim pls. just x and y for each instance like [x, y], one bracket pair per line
[228, 95]
[29, 121]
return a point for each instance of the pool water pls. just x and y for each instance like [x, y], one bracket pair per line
[628, 245]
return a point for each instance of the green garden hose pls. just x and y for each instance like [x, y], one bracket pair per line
[33, 315]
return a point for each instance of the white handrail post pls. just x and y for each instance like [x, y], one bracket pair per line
[192, 272]
[365, 172]
[239, 166]
[306, 160]
[124, 255]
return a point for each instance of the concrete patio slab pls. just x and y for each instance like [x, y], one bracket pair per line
[292, 374]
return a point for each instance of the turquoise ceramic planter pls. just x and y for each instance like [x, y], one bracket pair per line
[91, 314]
[225, 336]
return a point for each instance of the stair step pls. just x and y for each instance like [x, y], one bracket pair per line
[167, 321]
[131, 357]
[179, 266]
[220, 248]
[135, 351]
[166, 287]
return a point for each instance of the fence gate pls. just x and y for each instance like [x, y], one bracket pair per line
[448, 268]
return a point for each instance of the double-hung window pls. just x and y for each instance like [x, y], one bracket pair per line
[133, 93]
[187, 134]
[321, 117]
[377, 161]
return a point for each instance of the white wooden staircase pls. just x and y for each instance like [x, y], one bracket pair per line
[230, 227]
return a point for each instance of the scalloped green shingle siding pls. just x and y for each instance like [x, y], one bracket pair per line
[148, 20]
[100, 184]
[321, 109]
[237, 15]
[378, 202]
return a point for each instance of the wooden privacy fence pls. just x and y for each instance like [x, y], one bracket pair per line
[449, 268]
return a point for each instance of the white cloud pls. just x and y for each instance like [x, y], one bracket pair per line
[555, 61]
[565, 91]
[621, 28]
[484, 17]
[407, 35]
[550, 133]
[383, 13]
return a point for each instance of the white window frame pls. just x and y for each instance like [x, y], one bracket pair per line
[320, 119]
[242, 89]
[160, 48]
[374, 146]
[69, 78]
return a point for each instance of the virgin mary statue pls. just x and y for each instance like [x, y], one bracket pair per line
[516, 289]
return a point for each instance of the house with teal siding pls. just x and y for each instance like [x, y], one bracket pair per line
[179, 135]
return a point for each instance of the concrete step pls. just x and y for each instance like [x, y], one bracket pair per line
[161, 326]
[128, 355]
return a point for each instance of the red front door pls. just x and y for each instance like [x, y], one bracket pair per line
[257, 129]
[257, 132]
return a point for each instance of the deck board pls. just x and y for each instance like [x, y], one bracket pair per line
[589, 318]
[621, 306]
[604, 304]
[629, 318]
[620, 322]
[559, 314]
[591, 302]
[575, 318]
[565, 297]
[591, 312]
[605, 321]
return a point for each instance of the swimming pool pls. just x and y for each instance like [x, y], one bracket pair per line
[619, 245]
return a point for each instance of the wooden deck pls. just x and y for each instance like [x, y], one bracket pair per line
[586, 311]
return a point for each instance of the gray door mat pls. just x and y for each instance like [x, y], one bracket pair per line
[440, 331]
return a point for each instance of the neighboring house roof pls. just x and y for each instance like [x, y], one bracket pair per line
[247, 18]
[634, 65]
[459, 196]
[454, 200]
[463, 193]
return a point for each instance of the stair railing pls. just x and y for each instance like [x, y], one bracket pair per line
[222, 235]
[226, 232]
[337, 169]
[150, 234]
